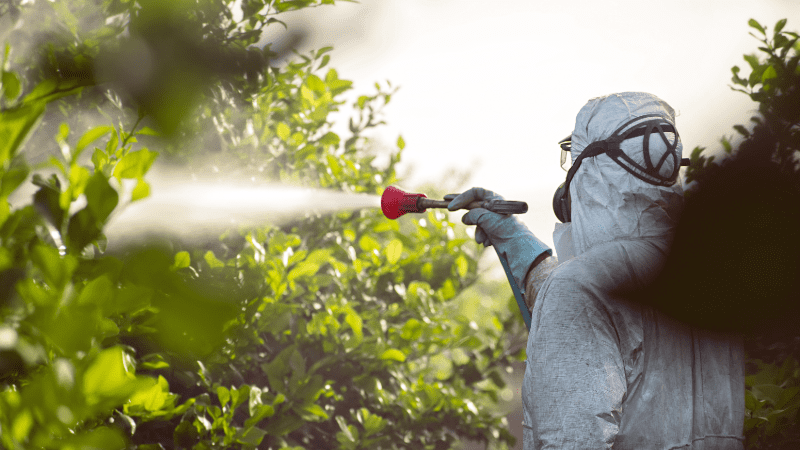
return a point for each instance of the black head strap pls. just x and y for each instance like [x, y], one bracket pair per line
[611, 146]
[649, 173]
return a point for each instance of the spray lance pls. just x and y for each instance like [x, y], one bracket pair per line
[396, 203]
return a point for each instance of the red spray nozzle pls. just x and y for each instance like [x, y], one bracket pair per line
[395, 202]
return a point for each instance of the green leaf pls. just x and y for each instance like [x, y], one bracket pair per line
[297, 363]
[755, 75]
[333, 164]
[99, 159]
[134, 164]
[142, 190]
[736, 78]
[401, 143]
[97, 292]
[315, 413]
[224, 395]
[212, 260]
[83, 228]
[274, 20]
[339, 86]
[462, 266]
[345, 429]
[304, 268]
[151, 398]
[147, 131]
[238, 396]
[330, 138]
[393, 354]
[21, 426]
[255, 400]
[283, 131]
[153, 361]
[13, 177]
[251, 436]
[113, 143]
[276, 370]
[307, 94]
[46, 200]
[15, 126]
[325, 60]
[101, 198]
[768, 73]
[78, 177]
[354, 320]
[752, 60]
[297, 139]
[56, 271]
[441, 366]
[412, 330]
[460, 357]
[182, 260]
[108, 378]
[315, 84]
[12, 87]
[91, 136]
[754, 422]
[789, 398]
[779, 26]
[368, 243]
[393, 251]
[753, 23]
[262, 412]
[63, 132]
[448, 291]
[50, 90]
[769, 392]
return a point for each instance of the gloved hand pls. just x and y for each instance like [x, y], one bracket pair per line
[510, 237]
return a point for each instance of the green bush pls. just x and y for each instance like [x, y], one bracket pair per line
[344, 330]
[759, 183]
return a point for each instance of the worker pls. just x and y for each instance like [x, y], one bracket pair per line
[603, 370]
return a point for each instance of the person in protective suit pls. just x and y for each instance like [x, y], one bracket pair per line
[604, 370]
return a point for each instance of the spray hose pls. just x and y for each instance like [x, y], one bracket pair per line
[395, 203]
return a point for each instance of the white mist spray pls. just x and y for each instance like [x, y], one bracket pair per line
[200, 209]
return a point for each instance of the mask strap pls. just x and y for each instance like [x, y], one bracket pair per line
[649, 174]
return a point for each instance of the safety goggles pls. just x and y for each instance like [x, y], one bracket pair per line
[566, 156]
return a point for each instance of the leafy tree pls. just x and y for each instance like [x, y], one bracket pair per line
[342, 331]
[740, 232]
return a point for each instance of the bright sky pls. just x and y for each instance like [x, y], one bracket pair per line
[493, 86]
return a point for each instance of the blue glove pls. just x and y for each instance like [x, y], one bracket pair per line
[510, 237]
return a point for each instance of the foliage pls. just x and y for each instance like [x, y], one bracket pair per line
[342, 331]
[773, 405]
[752, 198]
[775, 84]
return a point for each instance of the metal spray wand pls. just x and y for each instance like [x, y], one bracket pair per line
[396, 203]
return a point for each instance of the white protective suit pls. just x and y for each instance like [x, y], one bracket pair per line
[602, 371]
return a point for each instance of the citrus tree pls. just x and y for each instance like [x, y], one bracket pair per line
[337, 331]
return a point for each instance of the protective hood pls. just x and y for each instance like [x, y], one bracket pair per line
[607, 201]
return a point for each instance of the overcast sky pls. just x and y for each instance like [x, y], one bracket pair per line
[493, 86]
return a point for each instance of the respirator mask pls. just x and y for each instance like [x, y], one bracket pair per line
[637, 127]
